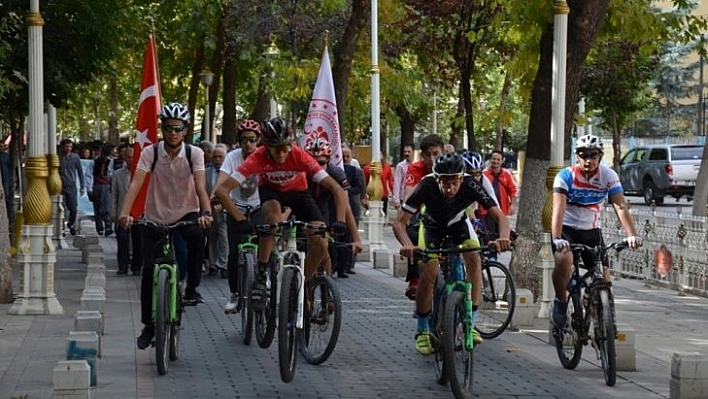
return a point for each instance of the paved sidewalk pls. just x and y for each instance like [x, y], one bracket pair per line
[517, 364]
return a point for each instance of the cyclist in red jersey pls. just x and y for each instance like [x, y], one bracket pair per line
[431, 146]
[283, 169]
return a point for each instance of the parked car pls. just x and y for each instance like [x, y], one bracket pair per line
[659, 170]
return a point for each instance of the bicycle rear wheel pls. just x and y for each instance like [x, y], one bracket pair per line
[605, 336]
[322, 320]
[568, 344]
[459, 362]
[162, 323]
[265, 320]
[287, 318]
[436, 326]
[246, 267]
[495, 311]
[176, 326]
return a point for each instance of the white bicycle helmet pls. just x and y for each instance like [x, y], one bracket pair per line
[175, 111]
[588, 142]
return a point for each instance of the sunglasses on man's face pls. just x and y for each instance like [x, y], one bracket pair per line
[173, 128]
[252, 139]
[589, 155]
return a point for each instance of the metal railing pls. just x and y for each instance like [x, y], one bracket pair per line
[684, 235]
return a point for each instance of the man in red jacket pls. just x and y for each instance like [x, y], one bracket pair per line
[386, 181]
[504, 185]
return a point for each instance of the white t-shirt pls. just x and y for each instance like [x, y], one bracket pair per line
[247, 193]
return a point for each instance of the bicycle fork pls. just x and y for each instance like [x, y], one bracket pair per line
[466, 288]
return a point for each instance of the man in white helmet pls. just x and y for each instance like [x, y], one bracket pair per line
[578, 193]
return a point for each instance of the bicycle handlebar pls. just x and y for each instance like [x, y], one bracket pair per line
[268, 227]
[162, 226]
[425, 254]
[617, 246]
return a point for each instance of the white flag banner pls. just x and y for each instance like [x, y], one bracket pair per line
[322, 119]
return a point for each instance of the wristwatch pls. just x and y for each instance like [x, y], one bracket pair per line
[206, 213]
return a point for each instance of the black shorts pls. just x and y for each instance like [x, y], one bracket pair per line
[459, 233]
[592, 237]
[302, 204]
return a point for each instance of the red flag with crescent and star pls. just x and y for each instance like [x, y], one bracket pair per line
[322, 118]
[148, 111]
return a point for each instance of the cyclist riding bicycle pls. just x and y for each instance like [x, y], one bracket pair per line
[177, 191]
[245, 196]
[578, 194]
[280, 165]
[446, 194]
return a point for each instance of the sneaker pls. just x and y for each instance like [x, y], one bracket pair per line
[232, 305]
[424, 343]
[412, 289]
[192, 297]
[476, 337]
[258, 295]
[145, 338]
[72, 231]
[342, 275]
[559, 315]
[108, 232]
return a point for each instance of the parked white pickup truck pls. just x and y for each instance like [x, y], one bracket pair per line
[659, 170]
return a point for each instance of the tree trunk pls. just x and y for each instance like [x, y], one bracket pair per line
[456, 131]
[6, 292]
[217, 62]
[503, 99]
[228, 94]
[408, 121]
[616, 149]
[193, 91]
[113, 133]
[343, 53]
[584, 22]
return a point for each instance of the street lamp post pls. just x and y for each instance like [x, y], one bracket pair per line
[36, 252]
[207, 78]
[560, 41]
[377, 249]
[271, 54]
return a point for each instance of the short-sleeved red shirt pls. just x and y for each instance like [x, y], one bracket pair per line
[415, 173]
[291, 175]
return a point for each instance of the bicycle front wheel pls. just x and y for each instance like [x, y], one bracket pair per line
[176, 326]
[287, 319]
[437, 325]
[495, 311]
[265, 320]
[322, 320]
[162, 322]
[246, 267]
[605, 336]
[459, 362]
[568, 344]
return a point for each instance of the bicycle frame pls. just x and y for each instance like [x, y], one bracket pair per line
[290, 244]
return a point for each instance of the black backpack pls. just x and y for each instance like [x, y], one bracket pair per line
[187, 153]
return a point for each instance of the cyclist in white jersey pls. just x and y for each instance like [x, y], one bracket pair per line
[578, 194]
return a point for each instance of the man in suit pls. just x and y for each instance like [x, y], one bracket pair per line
[217, 239]
[124, 236]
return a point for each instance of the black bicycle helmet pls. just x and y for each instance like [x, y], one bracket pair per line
[449, 164]
[276, 131]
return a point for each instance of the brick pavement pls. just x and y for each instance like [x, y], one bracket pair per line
[374, 356]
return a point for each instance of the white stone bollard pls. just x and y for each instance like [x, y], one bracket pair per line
[89, 320]
[93, 300]
[72, 380]
[92, 254]
[85, 345]
[381, 259]
[524, 310]
[400, 266]
[689, 376]
[624, 348]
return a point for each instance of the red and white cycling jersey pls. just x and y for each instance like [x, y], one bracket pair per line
[291, 175]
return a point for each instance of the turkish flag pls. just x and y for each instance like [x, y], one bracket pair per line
[322, 119]
[148, 111]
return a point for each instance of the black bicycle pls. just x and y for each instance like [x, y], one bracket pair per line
[590, 301]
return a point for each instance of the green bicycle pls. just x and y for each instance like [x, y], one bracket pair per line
[167, 305]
